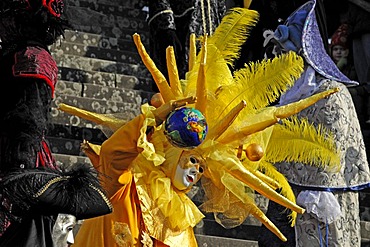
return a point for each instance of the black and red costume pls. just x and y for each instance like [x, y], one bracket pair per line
[33, 190]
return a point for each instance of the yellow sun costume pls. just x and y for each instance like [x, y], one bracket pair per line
[245, 137]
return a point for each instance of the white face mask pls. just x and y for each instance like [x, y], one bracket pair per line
[188, 171]
[63, 230]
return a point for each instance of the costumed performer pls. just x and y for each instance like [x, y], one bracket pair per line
[151, 163]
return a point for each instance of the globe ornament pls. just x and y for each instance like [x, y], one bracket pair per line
[186, 127]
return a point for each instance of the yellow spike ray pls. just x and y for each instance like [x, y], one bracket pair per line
[257, 184]
[259, 215]
[271, 115]
[158, 77]
[222, 125]
[271, 182]
[192, 51]
[101, 119]
[247, 3]
[173, 73]
[201, 81]
[92, 151]
[293, 108]
[250, 129]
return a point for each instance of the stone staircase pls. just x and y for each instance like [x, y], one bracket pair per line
[101, 71]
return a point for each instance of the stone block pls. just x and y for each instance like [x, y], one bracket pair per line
[204, 240]
[211, 227]
[68, 88]
[92, 135]
[93, 64]
[108, 13]
[365, 233]
[114, 94]
[91, 77]
[126, 53]
[65, 146]
[132, 82]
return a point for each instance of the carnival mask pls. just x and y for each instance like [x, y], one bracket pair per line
[189, 170]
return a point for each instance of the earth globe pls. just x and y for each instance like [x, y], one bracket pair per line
[186, 127]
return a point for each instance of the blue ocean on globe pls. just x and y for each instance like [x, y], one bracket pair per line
[186, 127]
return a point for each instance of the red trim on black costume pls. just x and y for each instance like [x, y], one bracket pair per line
[36, 62]
[55, 7]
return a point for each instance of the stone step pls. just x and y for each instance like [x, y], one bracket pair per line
[65, 140]
[122, 3]
[365, 233]
[100, 92]
[70, 147]
[93, 135]
[103, 78]
[126, 54]
[70, 160]
[94, 64]
[107, 19]
[215, 241]
[99, 41]
[119, 8]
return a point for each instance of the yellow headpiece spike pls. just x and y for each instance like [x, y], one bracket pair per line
[222, 125]
[173, 73]
[266, 119]
[247, 3]
[271, 115]
[192, 51]
[100, 119]
[293, 108]
[201, 81]
[258, 214]
[269, 181]
[92, 151]
[256, 184]
[158, 77]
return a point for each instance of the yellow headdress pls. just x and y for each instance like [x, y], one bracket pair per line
[240, 122]
[237, 112]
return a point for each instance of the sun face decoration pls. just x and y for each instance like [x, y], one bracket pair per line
[243, 136]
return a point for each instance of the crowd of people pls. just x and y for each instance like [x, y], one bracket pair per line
[147, 175]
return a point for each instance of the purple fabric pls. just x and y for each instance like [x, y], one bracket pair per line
[290, 36]
[314, 50]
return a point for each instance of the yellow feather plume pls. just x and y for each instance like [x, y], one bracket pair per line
[261, 81]
[233, 32]
[299, 141]
[264, 81]
[222, 49]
